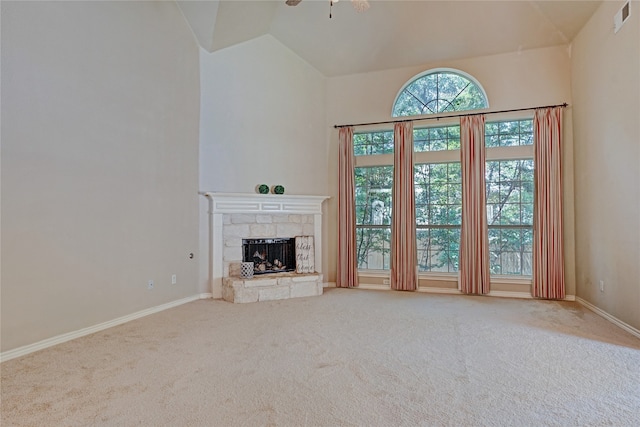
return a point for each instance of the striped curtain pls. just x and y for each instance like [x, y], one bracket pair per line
[474, 238]
[404, 258]
[548, 254]
[347, 274]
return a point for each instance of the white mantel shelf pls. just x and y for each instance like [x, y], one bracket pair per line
[263, 203]
[261, 206]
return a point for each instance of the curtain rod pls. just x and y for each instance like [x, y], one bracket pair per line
[564, 105]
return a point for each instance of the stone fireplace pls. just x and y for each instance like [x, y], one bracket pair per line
[238, 219]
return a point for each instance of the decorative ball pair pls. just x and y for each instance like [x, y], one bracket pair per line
[264, 189]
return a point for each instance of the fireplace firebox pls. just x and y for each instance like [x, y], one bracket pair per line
[270, 255]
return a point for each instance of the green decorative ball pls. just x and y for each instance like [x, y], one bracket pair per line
[263, 189]
[278, 189]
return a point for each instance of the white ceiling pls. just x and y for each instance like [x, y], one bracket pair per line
[392, 33]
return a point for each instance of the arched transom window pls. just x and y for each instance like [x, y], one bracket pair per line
[439, 91]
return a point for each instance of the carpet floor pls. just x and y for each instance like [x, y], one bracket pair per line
[347, 358]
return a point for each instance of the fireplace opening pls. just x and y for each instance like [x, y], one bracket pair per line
[270, 255]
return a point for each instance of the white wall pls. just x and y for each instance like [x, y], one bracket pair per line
[100, 108]
[606, 93]
[515, 80]
[262, 121]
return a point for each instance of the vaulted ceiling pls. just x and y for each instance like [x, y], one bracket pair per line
[392, 33]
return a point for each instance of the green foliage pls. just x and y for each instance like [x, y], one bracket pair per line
[438, 200]
[439, 92]
[435, 139]
[367, 144]
[510, 215]
[373, 216]
[438, 195]
[505, 134]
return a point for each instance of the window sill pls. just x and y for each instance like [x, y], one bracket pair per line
[512, 280]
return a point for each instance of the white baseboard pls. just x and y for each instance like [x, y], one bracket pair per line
[609, 317]
[373, 287]
[59, 339]
[523, 295]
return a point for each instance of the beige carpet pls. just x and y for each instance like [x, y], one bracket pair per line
[347, 358]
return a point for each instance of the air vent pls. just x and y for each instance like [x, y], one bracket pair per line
[621, 17]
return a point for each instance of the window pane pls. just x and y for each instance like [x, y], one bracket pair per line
[455, 214]
[453, 133]
[510, 262]
[509, 192]
[510, 215]
[508, 128]
[438, 192]
[365, 144]
[454, 171]
[438, 144]
[510, 251]
[373, 247]
[491, 129]
[373, 195]
[509, 133]
[436, 139]
[508, 171]
[421, 140]
[526, 139]
[438, 249]
[493, 194]
[373, 216]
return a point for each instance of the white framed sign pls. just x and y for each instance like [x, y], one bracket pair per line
[305, 254]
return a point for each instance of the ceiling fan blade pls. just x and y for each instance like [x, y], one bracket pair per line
[360, 5]
[292, 2]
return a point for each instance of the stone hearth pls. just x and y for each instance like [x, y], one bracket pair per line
[271, 287]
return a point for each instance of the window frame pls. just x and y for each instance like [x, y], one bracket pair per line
[518, 152]
[435, 71]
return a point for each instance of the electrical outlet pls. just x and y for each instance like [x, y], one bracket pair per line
[601, 285]
[386, 281]
[174, 279]
[150, 284]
